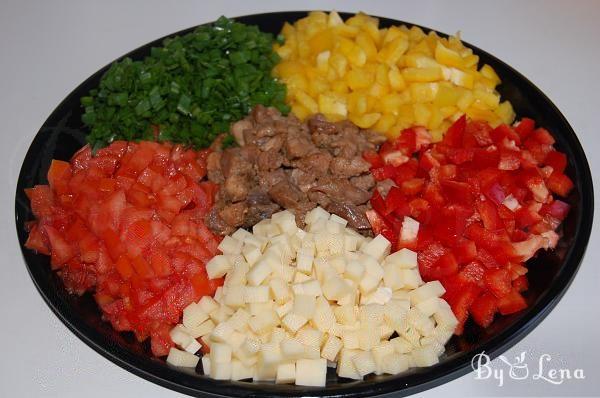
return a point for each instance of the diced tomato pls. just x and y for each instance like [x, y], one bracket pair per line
[511, 303]
[559, 183]
[503, 131]
[59, 175]
[483, 309]
[37, 241]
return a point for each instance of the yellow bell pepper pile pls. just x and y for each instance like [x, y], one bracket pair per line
[384, 79]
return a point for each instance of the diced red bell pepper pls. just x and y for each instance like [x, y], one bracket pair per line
[460, 301]
[509, 160]
[525, 127]
[407, 141]
[373, 158]
[480, 131]
[559, 183]
[412, 186]
[504, 131]
[420, 210]
[511, 303]
[542, 136]
[473, 272]
[427, 258]
[520, 284]
[483, 309]
[378, 203]
[383, 173]
[557, 209]
[489, 215]
[396, 202]
[465, 251]
[526, 217]
[556, 160]
[497, 281]
[405, 171]
[444, 266]
[454, 134]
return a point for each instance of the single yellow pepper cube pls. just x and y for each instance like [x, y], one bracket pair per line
[365, 42]
[422, 114]
[359, 78]
[431, 74]
[307, 102]
[321, 41]
[331, 104]
[385, 123]
[448, 57]
[396, 80]
[365, 121]
[393, 50]
[423, 92]
[489, 73]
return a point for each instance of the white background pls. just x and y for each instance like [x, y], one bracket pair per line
[48, 48]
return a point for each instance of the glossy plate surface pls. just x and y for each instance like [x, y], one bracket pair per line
[550, 272]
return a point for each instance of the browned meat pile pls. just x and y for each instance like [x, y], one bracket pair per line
[284, 163]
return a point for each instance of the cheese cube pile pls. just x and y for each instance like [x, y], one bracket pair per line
[297, 301]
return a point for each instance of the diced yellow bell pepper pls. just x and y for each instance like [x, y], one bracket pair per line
[489, 73]
[339, 63]
[317, 86]
[447, 95]
[321, 41]
[377, 90]
[416, 34]
[422, 114]
[396, 80]
[300, 111]
[505, 112]
[391, 103]
[488, 100]
[334, 19]
[422, 74]
[435, 119]
[470, 62]
[365, 121]
[357, 103]
[393, 50]
[365, 42]
[381, 75]
[323, 61]
[385, 123]
[418, 60]
[462, 79]
[357, 56]
[332, 104]
[307, 102]
[423, 92]
[340, 87]
[465, 101]
[359, 79]
[447, 56]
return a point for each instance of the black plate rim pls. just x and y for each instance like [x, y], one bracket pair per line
[172, 378]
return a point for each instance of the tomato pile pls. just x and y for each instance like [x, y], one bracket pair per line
[476, 206]
[127, 223]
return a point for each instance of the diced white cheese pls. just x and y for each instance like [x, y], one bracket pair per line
[181, 358]
[394, 363]
[193, 346]
[206, 365]
[293, 322]
[286, 373]
[304, 261]
[234, 297]
[220, 371]
[378, 248]
[331, 348]
[429, 306]
[379, 353]
[220, 353]
[256, 294]
[411, 278]
[311, 372]
[204, 328]
[364, 363]
[424, 356]
[280, 290]
[240, 234]
[284, 309]
[251, 253]
[221, 333]
[180, 336]
[354, 270]
[410, 229]
[292, 348]
[208, 304]
[346, 366]
[316, 214]
[335, 288]
[403, 258]
[304, 305]
[230, 245]
[239, 371]
[427, 291]
[218, 266]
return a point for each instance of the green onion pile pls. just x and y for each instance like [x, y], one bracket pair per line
[188, 91]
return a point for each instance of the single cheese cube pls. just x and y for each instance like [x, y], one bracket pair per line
[378, 248]
[316, 214]
[354, 270]
[230, 245]
[339, 220]
[284, 309]
[193, 315]
[285, 220]
[221, 314]
[193, 346]
[234, 297]
[429, 306]
[395, 363]
[411, 278]
[236, 340]
[311, 372]
[379, 352]
[280, 290]
[286, 373]
[203, 329]
[312, 352]
[206, 365]
[239, 319]
[239, 371]
[364, 363]
[293, 322]
[412, 335]
[310, 336]
[237, 276]
[182, 359]
[380, 296]
[312, 287]
[346, 366]
[251, 346]
[395, 313]
[444, 315]
[338, 263]
[420, 321]
[350, 339]
[442, 334]
[404, 258]
[240, 234]
[291, 348]
[391, 276]
[208, 304]
[304, 261]
[219, 353]
[259, 308]
[265, 229]
[180, 336]
[335, 288]
[277, 335]
[220, 371]
[371, 314]
[424, 356]
[333, 227]
[218, 266]
[427, 291]
[251, 253]
[263, 321]
[331, 348]
[260, 271]
[270, 354]
[367, 337]
[401, 345]
[410, 229]
[323, 317]
[265, 372]
[257, 241]
[351, 242]
[256, 294]
[304, 305]
[430, 341]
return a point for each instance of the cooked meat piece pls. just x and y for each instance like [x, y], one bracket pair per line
[216, 223]
[319, 124]
[344, 148]
[236, 187]
[384, 186]
[302, 179]
[259, 212]
[264, 130]
[217, 144]
[316, 164]
[342, 167]
[341, 190]
[319, 198]
[234, 162]
[274, 143]
[261, 114]
[238, 128]
[300, 212]
[233, 214]
[267, 179]
[365, 181]
[213, 167]
[355, 215]
[258, 196]
[298, 144]
[286, 194]
[269, 160]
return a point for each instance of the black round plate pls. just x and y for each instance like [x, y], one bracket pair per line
[550, 272]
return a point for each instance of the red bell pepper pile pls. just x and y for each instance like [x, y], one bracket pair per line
[483, 201]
